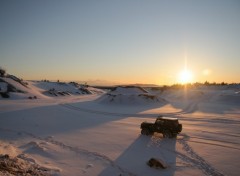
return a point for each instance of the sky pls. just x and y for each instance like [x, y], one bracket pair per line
[121, 41]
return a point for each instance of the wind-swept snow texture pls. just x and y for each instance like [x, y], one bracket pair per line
[91, 135]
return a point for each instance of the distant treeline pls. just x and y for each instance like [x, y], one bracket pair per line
[197, 84]
[175, 86]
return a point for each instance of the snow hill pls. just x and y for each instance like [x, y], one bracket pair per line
[126, 90]
[130, 95]
[15, 88]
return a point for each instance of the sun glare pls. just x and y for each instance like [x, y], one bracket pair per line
[185, 76]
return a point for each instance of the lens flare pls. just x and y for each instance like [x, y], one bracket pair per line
[185, 76]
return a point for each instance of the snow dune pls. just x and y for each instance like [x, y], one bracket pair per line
[130, 95]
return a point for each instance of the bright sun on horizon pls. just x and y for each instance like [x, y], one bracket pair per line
[185, 76]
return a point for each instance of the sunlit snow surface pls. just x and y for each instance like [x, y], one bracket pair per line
[85, 135]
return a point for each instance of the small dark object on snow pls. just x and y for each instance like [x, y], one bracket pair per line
[169, 127]
[153, 162]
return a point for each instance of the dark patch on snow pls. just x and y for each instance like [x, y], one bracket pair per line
[10, 88]
[18, 166]
[156, 163]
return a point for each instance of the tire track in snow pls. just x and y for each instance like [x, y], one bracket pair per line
[75, 149]
[216, 140]
[112, 113]
[209, 143]
[212, 140]
[219, 145]
[213, 120]
[217, 133]
[177, 114]
[173, 114]
[197, 160]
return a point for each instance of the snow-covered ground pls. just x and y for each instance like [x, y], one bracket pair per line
[84, 135]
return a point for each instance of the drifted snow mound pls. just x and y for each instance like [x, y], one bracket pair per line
[127, 90]
[130, 96]
[130, 99]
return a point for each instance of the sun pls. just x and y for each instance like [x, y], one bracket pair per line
[185, 76]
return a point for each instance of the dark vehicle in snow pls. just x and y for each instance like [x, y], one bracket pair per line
[168, 126]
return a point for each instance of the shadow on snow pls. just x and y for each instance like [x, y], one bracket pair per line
[133, 161]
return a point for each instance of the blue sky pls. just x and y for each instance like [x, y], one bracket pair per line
[121, 41]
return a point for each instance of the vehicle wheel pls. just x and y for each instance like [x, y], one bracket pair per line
[167, 134]
[145, 132]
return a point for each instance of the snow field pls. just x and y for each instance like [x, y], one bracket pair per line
[81, 135]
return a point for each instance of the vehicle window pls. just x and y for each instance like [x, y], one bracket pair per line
[175, 123]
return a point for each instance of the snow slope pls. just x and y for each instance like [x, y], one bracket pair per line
[42, 89]
[126, 90]
[78, 135]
